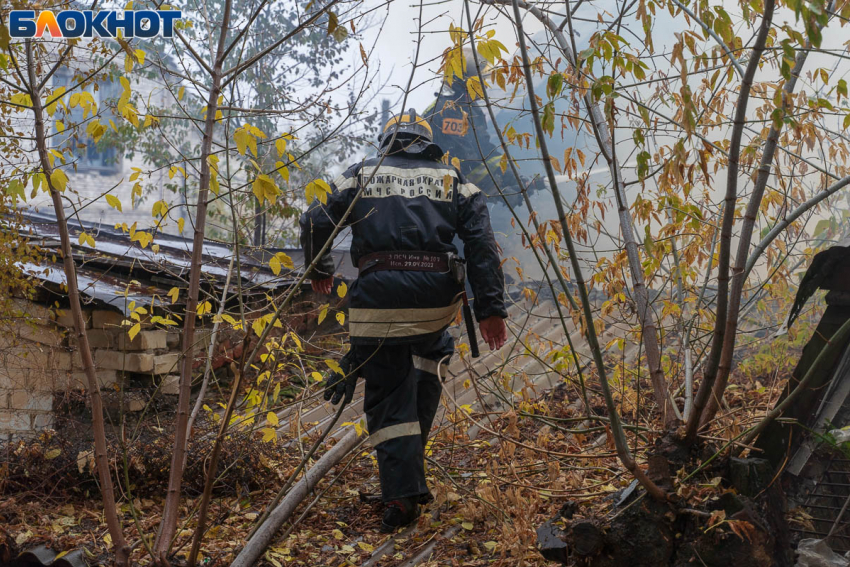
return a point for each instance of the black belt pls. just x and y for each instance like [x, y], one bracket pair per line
[411, 260]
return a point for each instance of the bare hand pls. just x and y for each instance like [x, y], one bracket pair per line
[323, 286]
[494, 332]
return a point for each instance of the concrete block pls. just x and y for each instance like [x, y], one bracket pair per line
[38, 381]
[170, 385]
[144, 340]
[31, 401]
[64, 360]
[103, 319]
[105, 379]
[172, 341]
[41, 421]
[125, 361]
[46, 335]
[12, 421]
[166, 363]
[202, 339]
[98, 338]
[29, 310]
[66, 319]
[26, 357]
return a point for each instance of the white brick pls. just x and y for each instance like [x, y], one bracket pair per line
[64, 360]
[65, 318]
[173, 339]
[105, 379]
[166, 363]
[144, 340]
[102, 319]
[32, 401]
[47, 335]
[25, 357]
[11, 421]
[98, 338]
[42, 421]
[125, 361]
[30, 310]
[170, 385]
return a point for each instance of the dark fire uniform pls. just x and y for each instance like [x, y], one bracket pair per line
[461, 129]
[397, 318]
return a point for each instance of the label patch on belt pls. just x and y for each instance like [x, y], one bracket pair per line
[419, 261]
[454, 126]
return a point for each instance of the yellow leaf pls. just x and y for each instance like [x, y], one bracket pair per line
[365, 546]
[140, 56]
[342, 289]
[333, 365]
[59, 180]
[340, 318]
[473, 87]
[467, 525]
[272, 418]
[53, 453]
[274, 263]
[269, 435]
[180, 92]
[317, 376]
[280, 146]
[318, 189]
[128, 63]
[285, 260]
[181, 222]
[114, 202]
[134, 330]
[173, 293]
[323, 313]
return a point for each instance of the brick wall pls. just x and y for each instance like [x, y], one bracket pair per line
[39, 359]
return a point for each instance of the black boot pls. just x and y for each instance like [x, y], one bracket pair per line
[399, 513]
[425, 499]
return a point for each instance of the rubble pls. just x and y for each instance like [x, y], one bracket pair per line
[817, 553]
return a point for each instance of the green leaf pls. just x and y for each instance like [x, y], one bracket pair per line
[554, 85]
[549, 118]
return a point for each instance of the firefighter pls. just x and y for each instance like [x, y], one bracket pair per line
[408, 291]
[461, 129]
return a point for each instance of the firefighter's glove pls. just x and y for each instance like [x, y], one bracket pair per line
[339, 385]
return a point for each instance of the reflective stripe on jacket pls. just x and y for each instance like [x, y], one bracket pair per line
[410, 202]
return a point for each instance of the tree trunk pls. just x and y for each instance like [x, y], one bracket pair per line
[168, 526]
[120, 547]
[713, 363]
